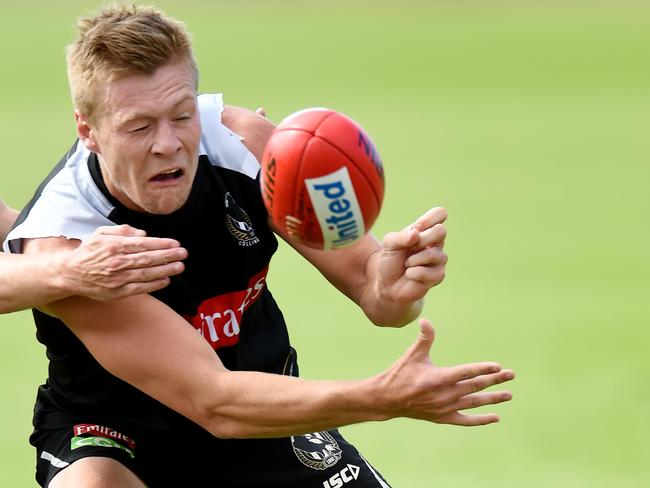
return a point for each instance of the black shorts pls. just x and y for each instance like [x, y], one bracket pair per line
[319, 460]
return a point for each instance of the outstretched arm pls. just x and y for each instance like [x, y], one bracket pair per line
[114, 263]
[163, 356]
[387, 279]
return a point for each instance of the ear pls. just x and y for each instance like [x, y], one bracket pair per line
[86, 132]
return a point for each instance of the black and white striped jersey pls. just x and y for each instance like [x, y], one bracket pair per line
[222, 293]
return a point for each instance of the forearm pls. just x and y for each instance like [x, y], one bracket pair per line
[266, 405]
[355, 272]
[29, 281]
[161, 354]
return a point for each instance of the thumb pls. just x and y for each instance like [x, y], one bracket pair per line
[421, 348]
[121, 230]
[394, 241]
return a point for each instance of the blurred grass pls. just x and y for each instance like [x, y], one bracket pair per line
[527, 121]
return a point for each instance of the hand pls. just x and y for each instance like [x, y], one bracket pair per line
[412, 261]
[119, 261]
[416, 388]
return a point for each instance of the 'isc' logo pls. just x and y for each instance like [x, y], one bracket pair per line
[347, 474]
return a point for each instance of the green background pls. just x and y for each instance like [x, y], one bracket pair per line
[527, 121]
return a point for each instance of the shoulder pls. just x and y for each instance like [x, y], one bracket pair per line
[252, 127]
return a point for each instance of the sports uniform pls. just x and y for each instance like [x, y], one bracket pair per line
[83, 410]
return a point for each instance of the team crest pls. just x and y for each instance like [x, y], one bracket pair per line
[239, 224]
[317, 451]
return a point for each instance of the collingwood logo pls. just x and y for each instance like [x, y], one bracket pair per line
[239, 224]
[317, 451]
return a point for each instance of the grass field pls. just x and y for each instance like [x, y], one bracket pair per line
[527, 122]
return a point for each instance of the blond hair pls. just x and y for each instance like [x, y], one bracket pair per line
[119, 41]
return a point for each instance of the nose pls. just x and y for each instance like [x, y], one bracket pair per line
[166, 141]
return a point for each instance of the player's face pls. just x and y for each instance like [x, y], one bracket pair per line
[146, 133]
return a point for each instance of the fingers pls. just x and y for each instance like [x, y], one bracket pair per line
[153, 273]
[427, 231]
[139, 288]
[136, 242]
[395, 241]
[120, 230]
[482, 382]
[141, 244]
[431, 256]
[456, 374]
[421, 348]
[427, 333]
[458, 418]
[147, 259]
[480, 400]
[436, 215]
[429, 277]
[433, 236]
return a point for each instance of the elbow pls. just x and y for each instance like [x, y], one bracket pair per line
[214, 417]
[224, 428]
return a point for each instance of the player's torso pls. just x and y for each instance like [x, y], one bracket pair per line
[222, 293]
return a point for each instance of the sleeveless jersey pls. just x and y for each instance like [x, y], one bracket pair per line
[222, 293]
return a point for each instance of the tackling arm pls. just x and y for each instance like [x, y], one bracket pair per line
[115, 262]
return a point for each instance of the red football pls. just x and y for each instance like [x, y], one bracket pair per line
[322, 179]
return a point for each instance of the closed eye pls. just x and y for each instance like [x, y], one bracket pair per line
[139, 129]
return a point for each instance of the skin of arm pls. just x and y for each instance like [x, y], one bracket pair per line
[164, 357]
[7, 218]
[115, 262]
[387, 279]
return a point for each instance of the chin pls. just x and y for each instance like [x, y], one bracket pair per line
[164, 206]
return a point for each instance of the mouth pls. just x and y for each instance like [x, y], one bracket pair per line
[168, 175]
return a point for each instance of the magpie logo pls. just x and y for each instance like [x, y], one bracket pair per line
[239, 224]
[318, 450]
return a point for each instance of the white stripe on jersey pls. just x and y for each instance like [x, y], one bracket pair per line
[222, 146]
[54, 461]
[69, 206]
[382, 483]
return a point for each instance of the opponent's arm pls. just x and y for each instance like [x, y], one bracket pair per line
[7, 218]
[161, 354]
[387, 279]
[115, 262]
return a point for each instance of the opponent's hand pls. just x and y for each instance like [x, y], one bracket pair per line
[413, 387]
[119, 261]
[412, 260]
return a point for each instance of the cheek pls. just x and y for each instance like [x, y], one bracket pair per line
[194, 135]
